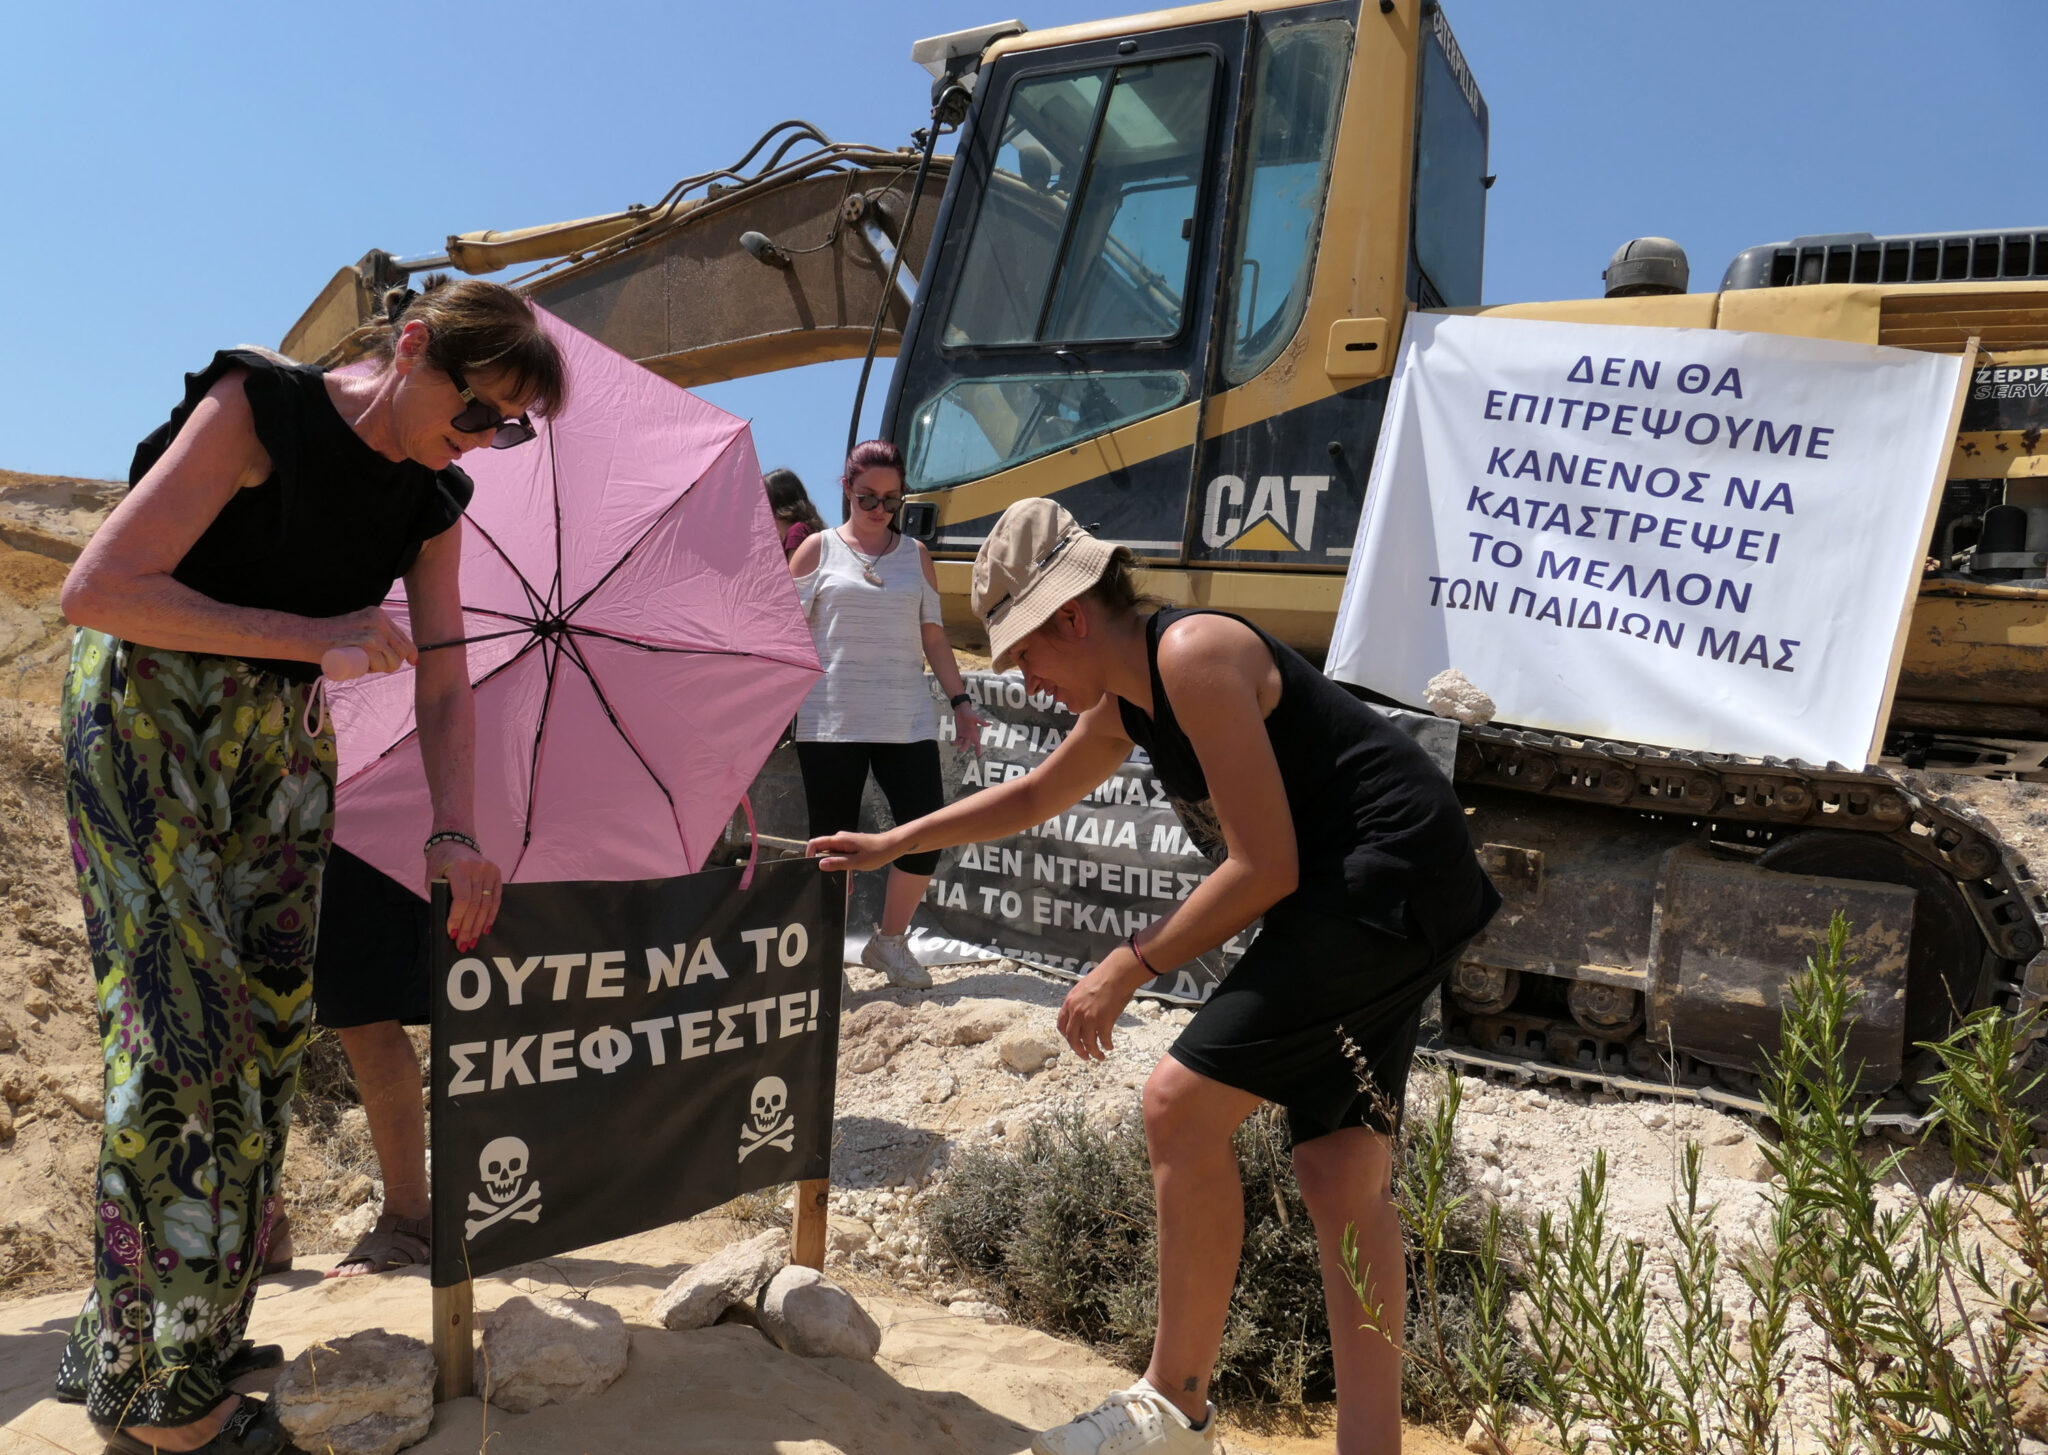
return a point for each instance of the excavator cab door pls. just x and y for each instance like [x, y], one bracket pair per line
[1066, 325]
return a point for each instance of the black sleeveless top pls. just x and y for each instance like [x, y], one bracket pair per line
[1379, 834]
[334, 525]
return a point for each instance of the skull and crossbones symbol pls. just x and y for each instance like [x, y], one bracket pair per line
[502, 1166]
[770, 1123]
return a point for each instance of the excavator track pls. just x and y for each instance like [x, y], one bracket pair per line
[1750, 802]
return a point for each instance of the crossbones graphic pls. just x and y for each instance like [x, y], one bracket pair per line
[503, 1165]
[771, 1124]
[518, 1211]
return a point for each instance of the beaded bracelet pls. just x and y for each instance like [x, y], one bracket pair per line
[1141, 955]
[451, 836]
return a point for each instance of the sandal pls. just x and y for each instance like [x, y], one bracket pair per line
[277, 1257]
[247, 1358]
[252, 1429]
[394, 1242]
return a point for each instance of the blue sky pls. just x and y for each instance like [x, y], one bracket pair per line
[177, 179]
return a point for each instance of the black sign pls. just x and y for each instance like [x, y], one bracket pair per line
[613, 1057]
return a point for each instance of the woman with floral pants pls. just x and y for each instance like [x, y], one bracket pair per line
[266, 524]
[200, 813]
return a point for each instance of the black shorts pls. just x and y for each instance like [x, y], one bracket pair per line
[370, 964]
[836, 774]
[1276, 1026]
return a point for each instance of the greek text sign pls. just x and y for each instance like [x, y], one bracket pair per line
[613, 1057]
[1676, 536]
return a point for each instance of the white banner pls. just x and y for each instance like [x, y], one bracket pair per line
[1683, 537]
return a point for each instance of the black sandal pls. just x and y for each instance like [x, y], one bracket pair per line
[253, 1429]
[394, 1242]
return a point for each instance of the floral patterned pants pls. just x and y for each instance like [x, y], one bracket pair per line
[201, 811]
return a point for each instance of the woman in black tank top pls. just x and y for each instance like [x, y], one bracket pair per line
[1321, 817]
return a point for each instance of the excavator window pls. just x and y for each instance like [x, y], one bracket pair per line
[1083, 233]
[1299, 89]
[1450, 173]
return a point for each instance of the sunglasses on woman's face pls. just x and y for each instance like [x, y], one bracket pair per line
[477, 416]
[890, 503]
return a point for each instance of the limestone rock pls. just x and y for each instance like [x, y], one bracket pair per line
[874, 1033]
[732, 1275]
[979, 1311]
[814, 1318]
[847, 1235]
[1743, 1160]
[1029, 1050]
[1451, 694]
[2030, 1405]
[9, 1037]
[370, 1393]
[539, 1351]
[973, 1023]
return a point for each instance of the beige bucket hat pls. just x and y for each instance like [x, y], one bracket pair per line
[1035, 561]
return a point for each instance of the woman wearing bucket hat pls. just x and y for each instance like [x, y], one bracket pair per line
[1319, 815]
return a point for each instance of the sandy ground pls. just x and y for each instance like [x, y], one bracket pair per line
[941, 1386]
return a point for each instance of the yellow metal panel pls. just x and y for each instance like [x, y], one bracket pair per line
[1358, 349]
[2006, 454]
[1845, 311]
[1296, 607]
[1666, 310]
[1977, 648]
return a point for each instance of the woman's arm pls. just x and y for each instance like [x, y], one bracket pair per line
[1090, 753]
[967, 723]
[1222, 682]
[445, 708]
[805, 558]
[121, 583]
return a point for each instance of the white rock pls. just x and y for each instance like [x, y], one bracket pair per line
[539, 1350]
[942, 1089]
[370, 1393]
[734, 1274]
[814, 1318]
[986, 1313]
[1656, 1118]
[1451, 694]
[1029, 1050]
[1743, 1161]
[843, 1235]
[972, 1023]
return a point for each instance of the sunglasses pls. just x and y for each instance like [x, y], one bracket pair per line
[890, 503]
[477, 416]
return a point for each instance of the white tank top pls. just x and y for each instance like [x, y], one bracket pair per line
[870, 640]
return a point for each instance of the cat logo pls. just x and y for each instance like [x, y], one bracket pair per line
[1273, 522]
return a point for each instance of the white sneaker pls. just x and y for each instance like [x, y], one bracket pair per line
[1136, 1419]
[891, 955]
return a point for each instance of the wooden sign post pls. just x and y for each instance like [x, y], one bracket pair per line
[454, 1341]
[807, 1240]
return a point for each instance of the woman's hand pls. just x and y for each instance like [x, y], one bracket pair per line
[473, 890]
[1088, 1014]
[967, 726]
[372, 632]
[851, 851]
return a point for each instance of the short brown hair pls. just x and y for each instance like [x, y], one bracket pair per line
[1116, 589]
[479, 327]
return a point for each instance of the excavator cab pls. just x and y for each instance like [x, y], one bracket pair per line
[1165, 281]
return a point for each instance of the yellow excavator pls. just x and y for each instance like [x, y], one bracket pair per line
[1163, 277]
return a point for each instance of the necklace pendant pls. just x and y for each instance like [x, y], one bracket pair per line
[868, 572]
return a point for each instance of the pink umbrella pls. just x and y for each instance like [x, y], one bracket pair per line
[634, 638]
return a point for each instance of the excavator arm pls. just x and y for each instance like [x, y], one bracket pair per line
[733, 272]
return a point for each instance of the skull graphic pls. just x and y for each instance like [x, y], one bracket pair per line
[502, 1164]
[770, 1097]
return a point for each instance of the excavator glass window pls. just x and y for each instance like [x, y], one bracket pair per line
[1295, 106]
[1085, 231]
[1450, 173]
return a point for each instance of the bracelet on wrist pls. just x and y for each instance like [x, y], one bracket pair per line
[959, 699]
[451, 836]
[1133, 943]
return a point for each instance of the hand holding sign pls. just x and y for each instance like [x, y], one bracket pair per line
[852, 851]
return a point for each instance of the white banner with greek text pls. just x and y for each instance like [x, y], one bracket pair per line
[1683, 537]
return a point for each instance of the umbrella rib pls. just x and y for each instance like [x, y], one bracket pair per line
[555, 484]
[414, 731]
[540, 732]
[605, 636]
[576, 656]
[539, 607]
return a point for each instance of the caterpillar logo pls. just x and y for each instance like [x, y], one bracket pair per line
[1280, 516]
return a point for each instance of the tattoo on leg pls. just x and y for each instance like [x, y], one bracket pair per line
[1192, 1384]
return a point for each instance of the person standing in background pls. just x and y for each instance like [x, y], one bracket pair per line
[795, 516]
[872, 598]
